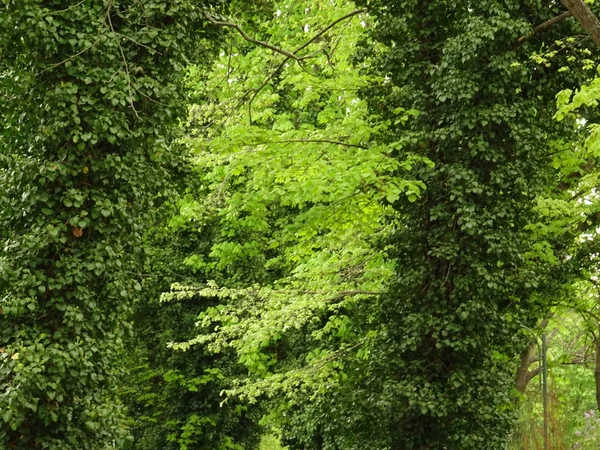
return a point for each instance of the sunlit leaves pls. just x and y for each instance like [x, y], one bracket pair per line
[299, 195]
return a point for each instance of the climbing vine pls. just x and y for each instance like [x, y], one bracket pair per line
[90, 92]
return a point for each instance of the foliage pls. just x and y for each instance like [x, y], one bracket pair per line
[470, 267]
[299, 196]
[90, 91]
[174, 398]
[482, 251]
[571, 387]
[270, 442]
[382, 199]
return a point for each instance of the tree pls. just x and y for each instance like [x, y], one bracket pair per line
[90, 93]
[294, 200]
[347, 289]
[470, 269]
[435, 356]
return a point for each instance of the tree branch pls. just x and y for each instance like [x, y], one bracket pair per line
[531, 374]
[586, 18]
[342, 293]
[288, 55]
[544, 26]
[125, 63]
[329, 27]
[239, 29]
[319, 141]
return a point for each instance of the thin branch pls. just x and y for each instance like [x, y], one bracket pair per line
[263, 85]
[306, 71]
[115, 35]
[53, 66]
[148, 97]
[544, 26]
[245, 35]
[332, 357]
[337, 44]
[287, 54]
[342, 293]
[329, 27]
[229, 70]
[318, 141]
[150, 49]
[67, 9]
[575, 362]
[292, 55]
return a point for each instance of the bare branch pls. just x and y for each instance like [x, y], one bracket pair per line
[329, 27]
[245, 35]
[544, 26]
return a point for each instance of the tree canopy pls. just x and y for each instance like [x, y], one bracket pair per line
[330, 224]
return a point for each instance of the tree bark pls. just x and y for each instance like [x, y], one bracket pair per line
[524, 375]
[586, 18]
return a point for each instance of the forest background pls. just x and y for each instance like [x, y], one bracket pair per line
[317, 224]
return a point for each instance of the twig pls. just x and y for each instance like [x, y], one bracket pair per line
[332, 357]
[329, 27]
[342, 293]
[228, 66]
[115, 34]
[149, 98]
[319, 141]
[152, 50]
[70, 57]
[67, 9]
[239, 29]
[263, 85]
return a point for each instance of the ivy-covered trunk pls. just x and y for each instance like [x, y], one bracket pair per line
[468, 267]
[89, 94]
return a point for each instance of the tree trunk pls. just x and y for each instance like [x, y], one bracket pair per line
[524, 375]
[586, 18]
[522, 379]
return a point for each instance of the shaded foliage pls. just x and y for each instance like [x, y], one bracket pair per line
[90, 93]
[469, 269]
[173, 398]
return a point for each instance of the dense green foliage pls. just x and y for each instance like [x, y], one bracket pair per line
[434, 356]
[339, 248]
[469, 269]
[174, 398]
[89, 92]
[297, 195]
